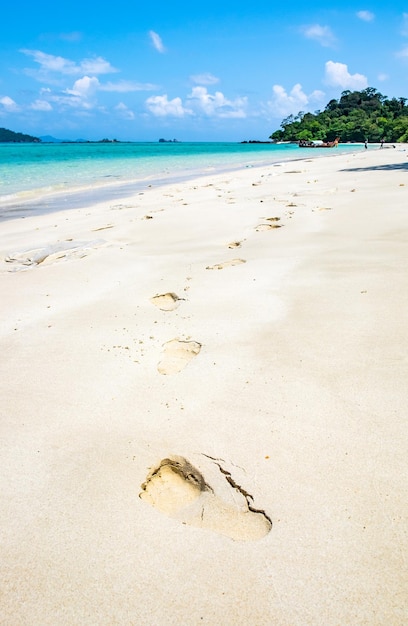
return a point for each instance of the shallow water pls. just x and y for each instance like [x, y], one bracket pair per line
[50, 176]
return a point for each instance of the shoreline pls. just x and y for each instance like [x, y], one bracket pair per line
[95, 192]
[203, 397]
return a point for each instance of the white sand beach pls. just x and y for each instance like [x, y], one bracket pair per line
[204, 402]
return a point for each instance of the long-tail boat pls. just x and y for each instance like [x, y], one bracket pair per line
[303, 143]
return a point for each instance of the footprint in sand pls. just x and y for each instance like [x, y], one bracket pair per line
[166, 301]
[234, 244]
[262, 227]
[179, 490]
[221, 266]
[177, 354]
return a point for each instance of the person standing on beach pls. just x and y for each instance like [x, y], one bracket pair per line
[382, 142]
[365, 144]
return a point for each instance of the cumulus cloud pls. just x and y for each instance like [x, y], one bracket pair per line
[204, 79]
[97, 65]
[127, 86]
[404, 28]
[80, 96]
[9, 105]
[161, 106]
[403, 53]
[50, 63]
[157, 41]
[87, 86]
[124, 111]
[284, 103]
[70, 99]
[321, 34]
[337, 75]
[84, 87]
[216, 105]
[83, 92]
[41, 105]
[366, 16]
[198, 103]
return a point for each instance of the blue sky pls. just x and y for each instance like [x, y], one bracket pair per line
[208, 71]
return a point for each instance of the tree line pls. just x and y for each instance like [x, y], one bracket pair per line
[9, 136]
[355, 117]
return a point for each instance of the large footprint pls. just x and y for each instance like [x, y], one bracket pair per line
[179, 490]
[166, 301]
[262, 227]
[177, 354]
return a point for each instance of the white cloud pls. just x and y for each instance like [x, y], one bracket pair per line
[80, 96]
[337, 75]
[296, 100]
[71, 100]
[87, 86]
[161, 106]
[41, 105]
[321, 34]
[83, 92]
[198, 103]
[157, 41]
[366, 16]
[9, 105]
[50, 63]
[72, 37]
[127, 86]
[382, 77]
[216, 105]
[98, 65]
[124, 111]
[204, 79]
[402, 54]
[404, 29]
[84, 87]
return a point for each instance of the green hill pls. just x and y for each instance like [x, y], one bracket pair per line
[356, 116]
[8, 136]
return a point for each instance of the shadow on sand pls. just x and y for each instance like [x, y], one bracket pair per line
[400, 167]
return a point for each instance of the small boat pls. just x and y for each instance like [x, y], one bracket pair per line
[318, 144]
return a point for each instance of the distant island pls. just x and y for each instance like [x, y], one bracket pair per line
[8, 136]
[50, 139]
[169, 141]
[355, 117]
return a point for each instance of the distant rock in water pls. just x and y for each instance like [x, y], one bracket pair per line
[161, 140]
[256, 141]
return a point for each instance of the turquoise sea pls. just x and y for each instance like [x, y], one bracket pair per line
[48, 175]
